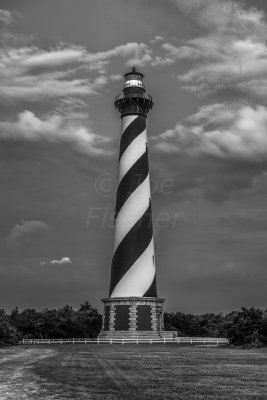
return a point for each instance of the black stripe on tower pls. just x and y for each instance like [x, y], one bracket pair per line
[134, 129]
[131, 180]
[131, 248]
[152, 290]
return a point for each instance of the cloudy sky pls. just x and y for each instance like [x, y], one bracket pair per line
[61, 65]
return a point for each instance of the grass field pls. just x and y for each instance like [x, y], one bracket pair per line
[131, 372]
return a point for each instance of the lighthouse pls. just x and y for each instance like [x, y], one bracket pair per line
[133, 308]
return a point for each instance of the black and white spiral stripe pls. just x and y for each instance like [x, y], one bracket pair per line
[133, 266]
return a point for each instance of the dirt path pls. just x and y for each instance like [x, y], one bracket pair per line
[17, 381]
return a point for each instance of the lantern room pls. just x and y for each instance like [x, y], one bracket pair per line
[134, 79]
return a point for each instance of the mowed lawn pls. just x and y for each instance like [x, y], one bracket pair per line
[132, 372]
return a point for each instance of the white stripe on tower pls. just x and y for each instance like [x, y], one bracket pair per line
[133, 267]
[134, 151]
[130, 213]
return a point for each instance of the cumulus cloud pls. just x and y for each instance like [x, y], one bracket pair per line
[133, 50]
[231, 14]
[62, 261]
[157, 38]
[228, 131]
[44, 87]
[31, 73]
[19, 80]
[33, 57]
[231, 53]
[173, 53]
[52, 128]
[5, 16]
[72, 109]
[23, 233]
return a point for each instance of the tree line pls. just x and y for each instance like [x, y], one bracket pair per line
[247, 326]
[65, 322]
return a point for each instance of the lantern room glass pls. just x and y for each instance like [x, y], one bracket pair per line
[134, 80]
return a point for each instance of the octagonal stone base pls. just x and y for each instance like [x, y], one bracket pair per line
[132, 317]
